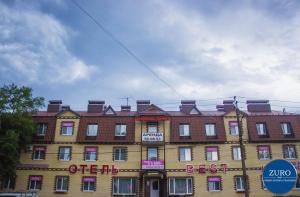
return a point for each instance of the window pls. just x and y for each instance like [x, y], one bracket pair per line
[185, 154]
[89, 184]
[64, 153]
[286, 128]
[236, 153]
[239, 183]
[39, 153]
[120, 154]
[42, 129]
[152, 127]
[210, 129]
[264, 152]
[61, 183]
[289, 152]
[261, 128]
[92, 130]
[35, 182]
[90, 153]
[120, 130]
[214, 184]
[152, 154]
[184, 130]
[297, 186]
[180, 186]
[211, 153]
[124, 186]
[67, 128]
[233, 128]
[8, 183]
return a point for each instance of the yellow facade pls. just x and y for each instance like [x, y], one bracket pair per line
[131, 167]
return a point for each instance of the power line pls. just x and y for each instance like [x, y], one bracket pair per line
[124, 47]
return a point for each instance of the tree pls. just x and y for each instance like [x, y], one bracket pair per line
[17, 106]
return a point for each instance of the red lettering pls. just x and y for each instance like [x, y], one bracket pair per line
[114, 170]
[105, 168]
[224, 168]
[73, 169]
[93, 169]
[83, 168]
[189, 168]
[213, 168]
[202, 169]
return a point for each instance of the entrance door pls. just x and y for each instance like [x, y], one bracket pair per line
[154, 187]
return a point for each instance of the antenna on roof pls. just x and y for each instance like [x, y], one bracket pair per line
[127, 100]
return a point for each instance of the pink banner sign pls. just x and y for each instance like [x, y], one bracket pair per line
[150, 165]
[67, 124]
[91, 149]
[263, 148]
[211, 149]
[214, 179]
[89, 179]
[35, 178]
[233, 124]
[39, 148]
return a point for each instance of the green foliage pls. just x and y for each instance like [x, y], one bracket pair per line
[17, 105]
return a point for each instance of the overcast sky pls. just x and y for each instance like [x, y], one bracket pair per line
[203, 49]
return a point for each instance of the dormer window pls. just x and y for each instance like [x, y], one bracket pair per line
[286, 128]
[261, 129]
[120, 130]
[184, 130]
[41, 129]
[92, 130]
[210, 129]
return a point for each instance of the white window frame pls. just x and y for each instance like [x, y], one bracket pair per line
[89, 185]
[264, 154]
[59, 188]
[172, 190]
[35, 184]
[261, 129]
[286, 128]
[68, 131]
[66, 154]
[42, 127]
[184, 129]
[233, 128]
[120, 130]
[117, 179]
[236, 153]
[289, 147]
[92, 129]
[149, 153]
[210, 129]
[214, 155]
[242, 183]
[93, 153]
[119, 158]
[214, 186]
[187, 154]
[38, 154]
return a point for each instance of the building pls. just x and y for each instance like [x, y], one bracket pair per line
[152, 152]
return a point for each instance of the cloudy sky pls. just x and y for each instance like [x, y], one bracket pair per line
[203, 49]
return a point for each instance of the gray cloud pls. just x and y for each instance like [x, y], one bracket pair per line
[33, 46]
